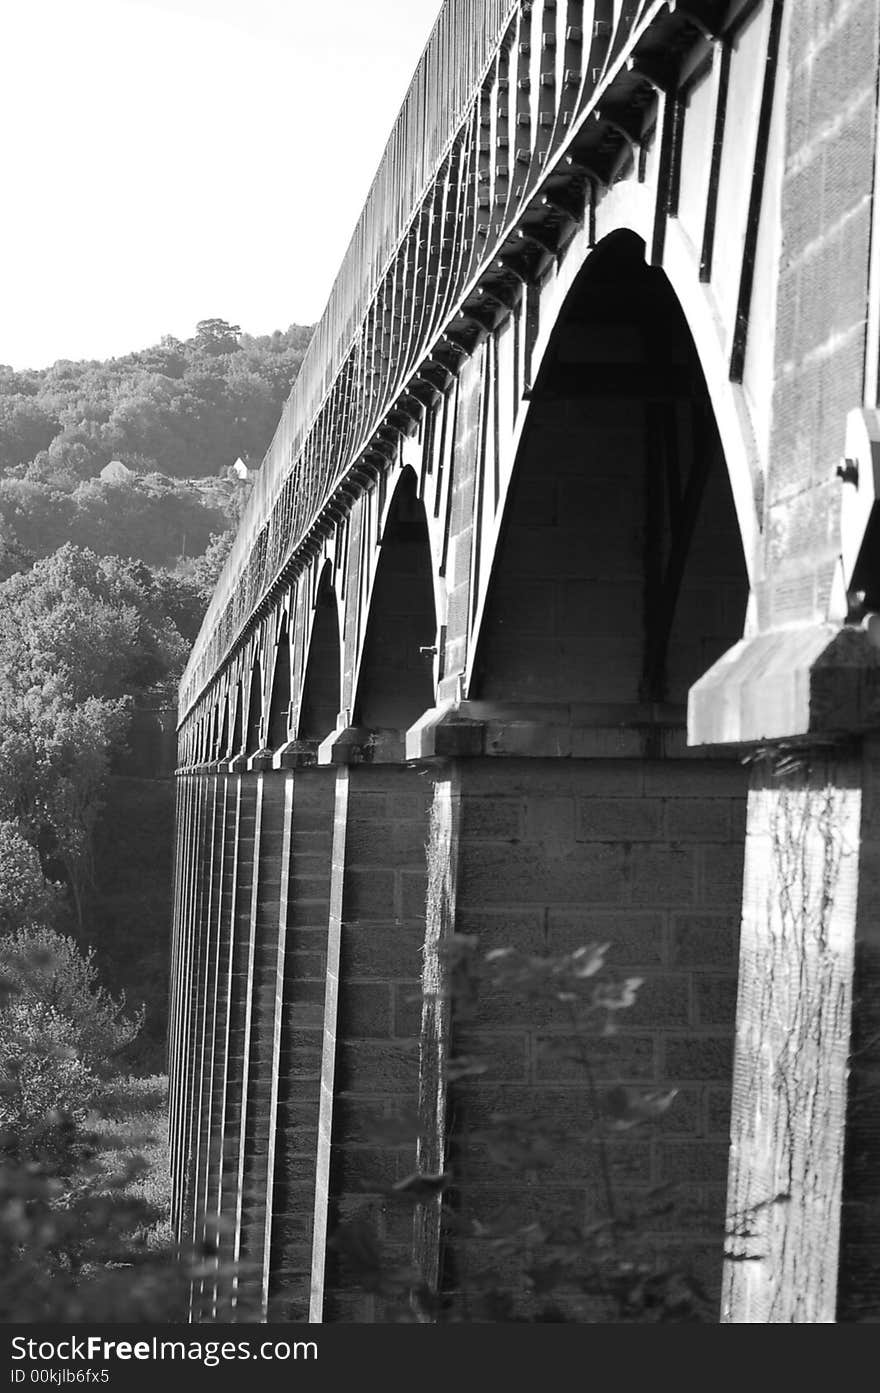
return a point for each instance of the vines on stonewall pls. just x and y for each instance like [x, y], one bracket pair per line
[529, 1259]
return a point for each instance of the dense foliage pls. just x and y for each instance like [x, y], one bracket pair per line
[83, 1179]
[174, 418]
[118, 502]
[81, 637]
[185, 408]
[60, 1033]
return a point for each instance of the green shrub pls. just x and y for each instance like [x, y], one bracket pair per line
[26, 897]
[84, 1233]
[44, 1083]
[43, 969]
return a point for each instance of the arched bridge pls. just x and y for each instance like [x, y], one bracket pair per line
[549, 623]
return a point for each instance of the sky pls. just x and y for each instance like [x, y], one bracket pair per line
[166, 161]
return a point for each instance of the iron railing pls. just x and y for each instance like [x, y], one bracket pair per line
[463, 38]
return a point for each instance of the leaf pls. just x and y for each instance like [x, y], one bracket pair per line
[619, 996]
[627, 1108]
[464, 1068]
[423, 1185]
[495, 954]
[589, 959]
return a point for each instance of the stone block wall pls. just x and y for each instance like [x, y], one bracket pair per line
[645, 856]
[378, 1022]
[858, 1297]
[822, 296]
[302, 986]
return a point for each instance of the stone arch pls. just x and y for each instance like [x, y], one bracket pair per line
[395, 681]
[236, 740]
[223, 733]
[203, 749]
[213, 731]
[738, 429]
[254, 709]
[619, 574]
[321, 690]
[618, 579]
[279, 704]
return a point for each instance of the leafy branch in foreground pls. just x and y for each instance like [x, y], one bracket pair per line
[513, 1250]
[50, 980]
[75, 1218]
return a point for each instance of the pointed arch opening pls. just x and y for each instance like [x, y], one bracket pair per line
[214, 730]
[619, 576]
[202, 748]
[223, 738]
[618, 579]
[255, 710]
[322, 696]
[396, 682]
[237, 741]
[279, 705]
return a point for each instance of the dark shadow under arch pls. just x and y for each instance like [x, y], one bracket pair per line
[214, 728]
[619, 576]
[618, 579]
[255, 710]
[396, 684]
[223, 738]
[279, 705]
[321, 695]
[237, 740]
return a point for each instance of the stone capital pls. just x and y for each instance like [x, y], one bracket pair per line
[362, 745]
[816, 682]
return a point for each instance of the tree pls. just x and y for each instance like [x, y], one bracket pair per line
[60, 1034]
[80, 637]
[216, 336]
[79, 625]
[152, 518]
[25, 895]
[74, 1216]
[85, 635]
[186, 407]
[45, 1085]
[44, 971]
[26, 427]
[203, 571]
[13, 556]
[35, 517]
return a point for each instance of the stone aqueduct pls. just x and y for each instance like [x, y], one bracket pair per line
[550, 622]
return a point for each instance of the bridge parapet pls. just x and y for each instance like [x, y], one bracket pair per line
[460, 45]
[519, 110]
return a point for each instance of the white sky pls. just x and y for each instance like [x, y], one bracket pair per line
[165, 161]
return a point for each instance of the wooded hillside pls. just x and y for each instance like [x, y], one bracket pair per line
[176, 417]
[105, 573]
